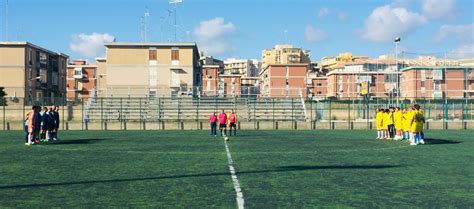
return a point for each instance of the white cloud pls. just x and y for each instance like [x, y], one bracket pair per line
[387, 22]
[90, 46]
[324, 12]
[213, 36]
[463, 51]
[312, 34]
[463, 34]
[435, 9]
[342, 16]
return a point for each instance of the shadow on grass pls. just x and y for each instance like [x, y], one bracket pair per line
[439, 141]
[75, 141]
[277, 169]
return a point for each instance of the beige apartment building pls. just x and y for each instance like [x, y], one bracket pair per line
[101, 87]
[32, 72]
[244, 67]
[151, 69]
[284, 54]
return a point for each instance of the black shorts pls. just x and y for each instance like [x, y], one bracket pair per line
[232, 125]
[222, 126]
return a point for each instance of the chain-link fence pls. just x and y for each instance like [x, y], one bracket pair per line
[131, 113]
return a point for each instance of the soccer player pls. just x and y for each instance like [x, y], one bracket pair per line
[386, 123]
[56, 122]
[407, 121]
[232, 118]
[416, 125]
[26, 124]
[223, 123]
[390, 124]
[422, 134]
[50, 127]
[379, 123]
[398, 117]
[44, 123]
[34, 122]
[213, 123]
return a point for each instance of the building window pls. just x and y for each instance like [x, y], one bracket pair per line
[175, 54]
[152, 55]
[422, 83]
[391, 78]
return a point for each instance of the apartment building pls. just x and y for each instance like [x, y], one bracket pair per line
[438, 82]
[230, 85]
[210, 80]
[81, 80]
[32, 72]
[152, 69]
[250, 86]
[378, 78]
[284, 80]
[284, 54]
[101, 72]
[284, 71]
[244, 67]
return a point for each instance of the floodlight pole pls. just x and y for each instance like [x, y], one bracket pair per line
[397, 41]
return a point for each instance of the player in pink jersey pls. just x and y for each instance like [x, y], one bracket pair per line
[213, 121]
[232, 118]
[223, 122]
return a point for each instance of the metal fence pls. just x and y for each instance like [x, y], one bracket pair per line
[253, 113]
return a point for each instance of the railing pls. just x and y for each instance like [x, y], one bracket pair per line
[136, 113]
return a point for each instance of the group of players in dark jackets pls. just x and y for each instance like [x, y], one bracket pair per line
[41, 125]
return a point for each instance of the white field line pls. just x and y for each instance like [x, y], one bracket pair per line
[238, 190]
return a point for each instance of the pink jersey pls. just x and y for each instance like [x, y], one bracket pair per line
[232, 118]
[213, 118]
[222, 118]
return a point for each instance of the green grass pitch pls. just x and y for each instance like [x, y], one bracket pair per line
[276, 169]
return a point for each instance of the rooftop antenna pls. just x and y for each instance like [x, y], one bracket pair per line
[144, 25]
[175, 2]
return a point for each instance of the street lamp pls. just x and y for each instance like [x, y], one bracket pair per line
[397, 41]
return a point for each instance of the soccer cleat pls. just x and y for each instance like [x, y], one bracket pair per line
[413, 144]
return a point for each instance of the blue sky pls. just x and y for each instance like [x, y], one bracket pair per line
[243, 28]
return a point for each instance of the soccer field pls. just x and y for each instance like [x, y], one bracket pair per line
[189, 169]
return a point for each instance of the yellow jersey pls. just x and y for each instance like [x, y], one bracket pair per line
[417, 121]
[379, 120]
[408, 116]
[398, 117]
[388, 118]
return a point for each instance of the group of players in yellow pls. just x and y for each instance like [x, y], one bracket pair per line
[397, 124]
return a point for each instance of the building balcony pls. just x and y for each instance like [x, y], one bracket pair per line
[437, 94]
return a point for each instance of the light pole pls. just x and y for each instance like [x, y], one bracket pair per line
[397, 41]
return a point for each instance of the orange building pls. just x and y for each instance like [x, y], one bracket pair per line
[453, 82]
[229, 85]
[348, 85]
[81, 80]
[317, 87]
[284, 80]
[210, 80]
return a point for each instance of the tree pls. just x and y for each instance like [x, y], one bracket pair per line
[2, 96]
